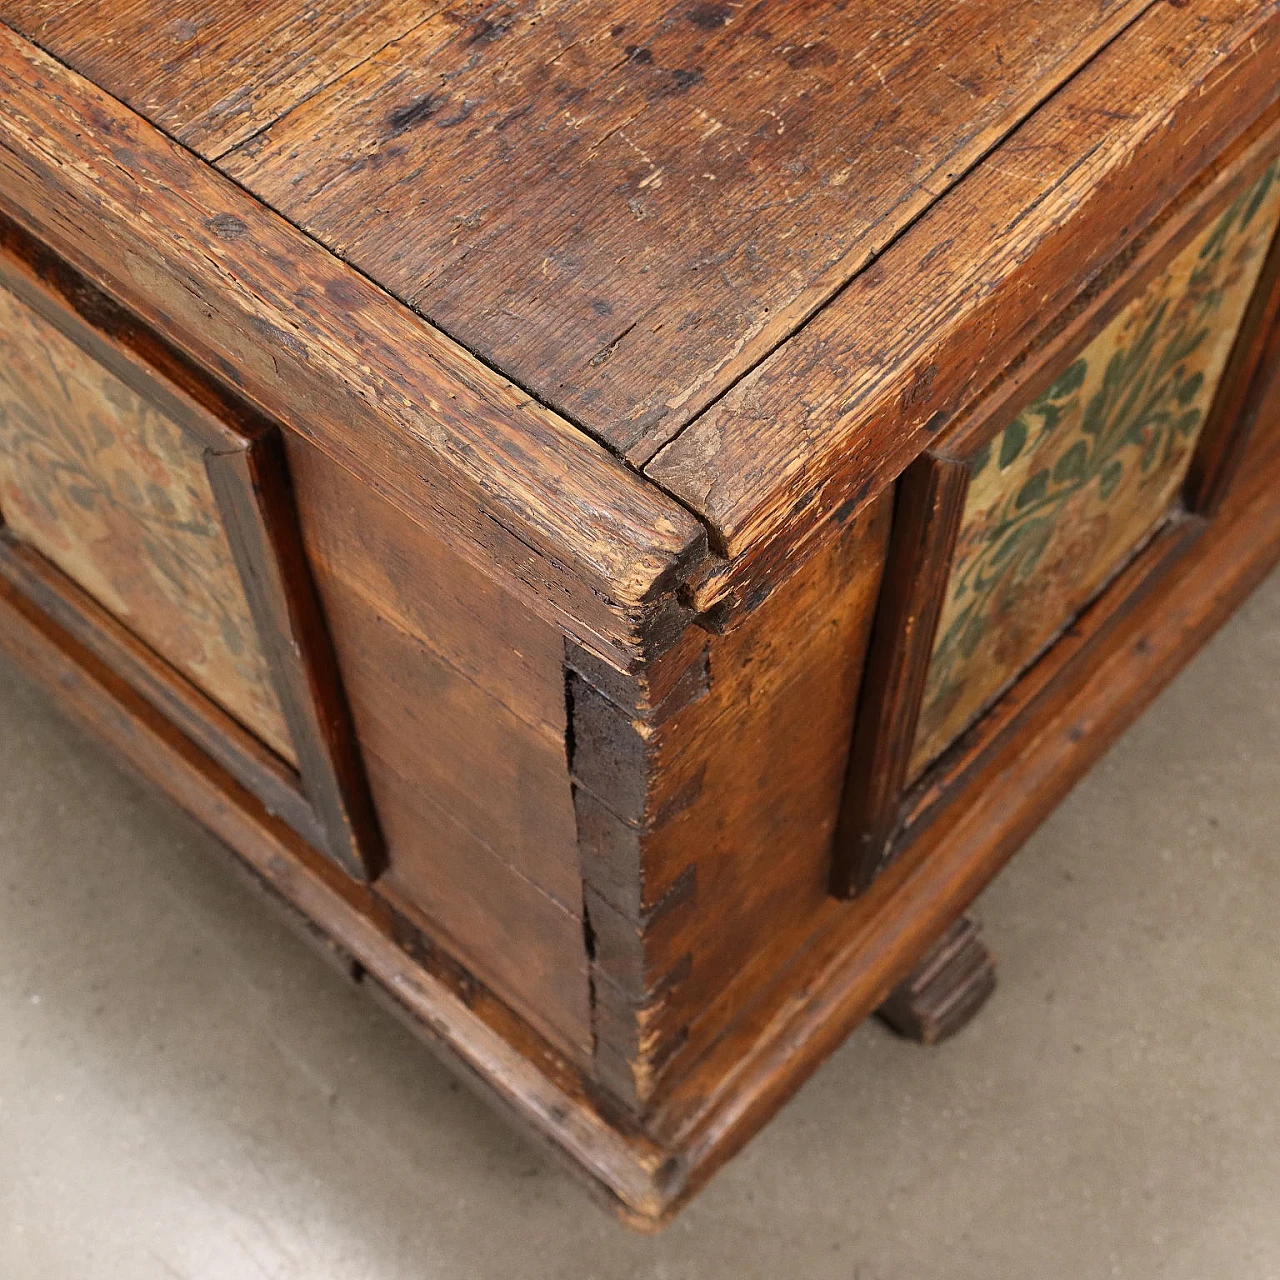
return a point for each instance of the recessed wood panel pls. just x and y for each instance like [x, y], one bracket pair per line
[115, 493]
[1062, 496]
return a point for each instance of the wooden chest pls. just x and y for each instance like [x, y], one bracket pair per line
[624, 516]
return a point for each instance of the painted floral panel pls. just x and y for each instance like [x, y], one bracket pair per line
[1072, 487]
[115, 493]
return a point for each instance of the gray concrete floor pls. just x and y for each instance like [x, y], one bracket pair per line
[185, 1091]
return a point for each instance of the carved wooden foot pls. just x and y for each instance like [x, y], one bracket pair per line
[945, 990]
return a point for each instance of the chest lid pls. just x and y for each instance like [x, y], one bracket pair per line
[758, 250]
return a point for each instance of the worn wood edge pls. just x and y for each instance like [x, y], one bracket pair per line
[528, 498]
[861, 954]
[256, 504]
[621, 1166]
[928, 511]
[1225, 437]
[777, 519]
[233, 747]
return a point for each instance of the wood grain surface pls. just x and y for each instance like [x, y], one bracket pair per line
[623, 207]
[212, 74]
[707, 819]
[928, 506]
[457, 696]
[519, 492]
[822, 424]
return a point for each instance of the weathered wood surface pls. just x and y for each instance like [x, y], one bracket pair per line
[833, 414]
[707, 818]
[624, 207]
[516, 490]
[829, 418]
[468, 621]
[448, 681]
[857, 951]
[212, 74]
[548, 158]
[1263, 404]
[703, 968]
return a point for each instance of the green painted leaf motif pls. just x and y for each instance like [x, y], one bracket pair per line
[1189, 388]
[1070, 381]
[980, 460]
[1016, 557]
[1258, 195]
[1033, 490]
[971, 637]
[1039, 535]
[1007, 547]
[1072, 464]
[1012, 443]
[1186, 423]
[1185, 344]
[1138, 416]
[1095, 414]
[1151, 453]
[1049, 414]
[1213, 246]
[1114, 374]
[85, 499]
[1110, 477]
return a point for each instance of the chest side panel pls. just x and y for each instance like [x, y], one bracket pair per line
[1083, 474]
[707, 808]
[116, 494]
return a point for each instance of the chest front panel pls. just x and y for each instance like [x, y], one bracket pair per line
[104, 484]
